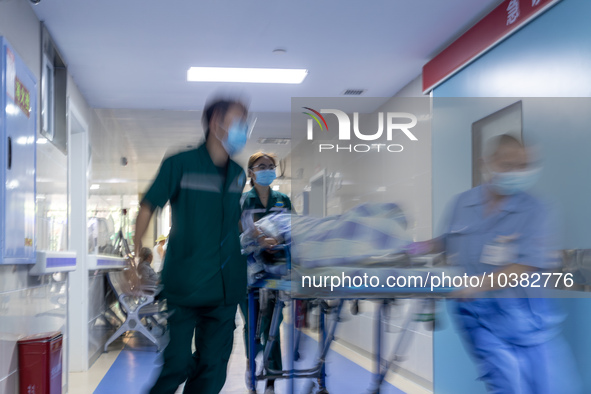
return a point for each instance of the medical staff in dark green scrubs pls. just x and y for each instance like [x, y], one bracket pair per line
[204, 273]
[259, 202]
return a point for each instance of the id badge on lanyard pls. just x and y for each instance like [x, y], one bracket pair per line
[502, 251]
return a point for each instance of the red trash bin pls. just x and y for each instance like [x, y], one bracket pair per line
[40, 363]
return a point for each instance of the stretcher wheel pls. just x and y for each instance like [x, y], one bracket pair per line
[439, 324]
[355, 307]
[435, 325]
[374, 387]
[309, 387]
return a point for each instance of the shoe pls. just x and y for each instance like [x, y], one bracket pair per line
[247, 379]
[270, 390]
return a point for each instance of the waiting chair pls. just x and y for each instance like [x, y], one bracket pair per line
[137, 302]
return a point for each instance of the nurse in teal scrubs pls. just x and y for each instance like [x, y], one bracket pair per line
[257, 203]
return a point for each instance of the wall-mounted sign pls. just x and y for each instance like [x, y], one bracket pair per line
[499, 24]
[22, 97]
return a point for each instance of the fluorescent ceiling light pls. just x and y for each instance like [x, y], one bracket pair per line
[95, 187]
[276, 187]
[251, 75]
[42, 140]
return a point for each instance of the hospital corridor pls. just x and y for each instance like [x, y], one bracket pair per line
[203, 197]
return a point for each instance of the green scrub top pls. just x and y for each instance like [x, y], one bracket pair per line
[203, 264]
[253, 208]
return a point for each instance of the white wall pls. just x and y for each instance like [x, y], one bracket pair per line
[28, 305]
[87, 288]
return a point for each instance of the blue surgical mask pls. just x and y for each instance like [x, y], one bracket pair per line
[507, 183]
[265, 177]
[236, 137]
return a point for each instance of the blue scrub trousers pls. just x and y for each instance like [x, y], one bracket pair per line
[275, 355]
[507, 368]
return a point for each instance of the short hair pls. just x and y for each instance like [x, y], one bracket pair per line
[145, 253]
[495, 143]
[259, 155]
[220, 107]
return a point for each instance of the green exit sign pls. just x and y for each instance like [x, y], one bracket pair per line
[23, 97]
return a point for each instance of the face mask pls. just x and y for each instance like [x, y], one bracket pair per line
[507, 183]
[265, 177]
[236, 137]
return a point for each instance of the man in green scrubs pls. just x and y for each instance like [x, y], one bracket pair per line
[204, 273]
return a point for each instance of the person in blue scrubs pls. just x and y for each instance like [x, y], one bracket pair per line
[513, 333]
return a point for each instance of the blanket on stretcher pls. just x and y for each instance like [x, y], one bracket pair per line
[359, 236]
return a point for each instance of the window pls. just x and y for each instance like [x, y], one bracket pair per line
[53, 94]
[47, 99]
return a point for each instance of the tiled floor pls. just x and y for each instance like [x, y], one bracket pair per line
[132, 364]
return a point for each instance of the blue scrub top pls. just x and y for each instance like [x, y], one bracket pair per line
[518, 232]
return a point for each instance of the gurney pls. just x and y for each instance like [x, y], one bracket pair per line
[377, 250]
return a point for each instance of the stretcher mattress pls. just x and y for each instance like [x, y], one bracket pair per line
[356, 236]
[366, 242]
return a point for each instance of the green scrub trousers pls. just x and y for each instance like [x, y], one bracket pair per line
[204, 273]
[205, 370]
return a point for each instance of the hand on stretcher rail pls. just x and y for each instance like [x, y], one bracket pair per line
[265, 241]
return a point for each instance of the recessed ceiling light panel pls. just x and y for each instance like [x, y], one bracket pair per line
[247, 75]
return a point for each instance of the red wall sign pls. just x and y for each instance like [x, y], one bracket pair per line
[499, 24]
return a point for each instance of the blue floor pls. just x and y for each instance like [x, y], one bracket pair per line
[136, 368]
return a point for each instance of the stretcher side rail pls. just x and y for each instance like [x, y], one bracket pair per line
[288, 287]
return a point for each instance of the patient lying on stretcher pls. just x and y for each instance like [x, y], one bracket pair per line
[366, 234]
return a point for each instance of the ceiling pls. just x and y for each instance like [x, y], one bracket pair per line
[130, 59]
[135, 54]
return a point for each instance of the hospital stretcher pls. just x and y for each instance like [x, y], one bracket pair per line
[288, 288]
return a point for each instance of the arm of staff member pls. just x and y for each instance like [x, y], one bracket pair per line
[141, 225]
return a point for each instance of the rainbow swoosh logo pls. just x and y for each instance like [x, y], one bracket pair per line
[315, 115]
